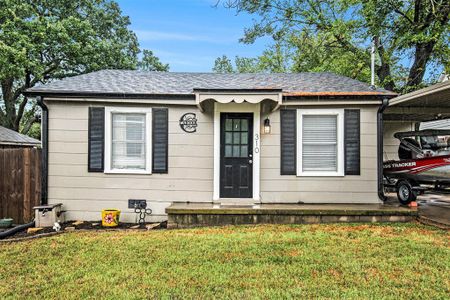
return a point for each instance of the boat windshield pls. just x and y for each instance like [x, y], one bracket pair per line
[435, 143]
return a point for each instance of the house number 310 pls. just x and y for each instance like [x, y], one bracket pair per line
[256, 143]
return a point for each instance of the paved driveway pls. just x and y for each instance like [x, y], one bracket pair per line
[432, 206]
[435, 207]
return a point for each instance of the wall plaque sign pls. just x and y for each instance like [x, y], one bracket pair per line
[188, 122]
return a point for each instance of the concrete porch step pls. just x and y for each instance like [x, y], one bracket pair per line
[234, 202]
[182, 215]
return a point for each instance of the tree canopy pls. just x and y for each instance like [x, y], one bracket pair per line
[411, 36]
[150, 62]
[42, 40]
[223, 65]
[272, 60]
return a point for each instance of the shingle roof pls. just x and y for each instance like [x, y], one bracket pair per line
[178, 83]
[11, 137]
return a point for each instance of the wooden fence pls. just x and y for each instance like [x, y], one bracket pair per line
[20, 183]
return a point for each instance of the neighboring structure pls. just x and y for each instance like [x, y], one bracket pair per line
[11, 138]
[204, 137]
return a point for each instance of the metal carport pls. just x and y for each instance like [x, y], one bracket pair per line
[406, 112]
[431, 103]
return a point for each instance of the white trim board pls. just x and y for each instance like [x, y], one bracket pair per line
[238, 108]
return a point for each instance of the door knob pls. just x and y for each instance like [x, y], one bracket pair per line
[250, 161]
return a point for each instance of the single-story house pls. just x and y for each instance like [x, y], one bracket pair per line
[115, 135]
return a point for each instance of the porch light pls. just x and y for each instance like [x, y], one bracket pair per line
[267, 126]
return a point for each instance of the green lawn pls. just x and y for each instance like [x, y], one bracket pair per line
[328, 261]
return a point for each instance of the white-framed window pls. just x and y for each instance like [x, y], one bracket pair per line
[320, 142]
[128, 140]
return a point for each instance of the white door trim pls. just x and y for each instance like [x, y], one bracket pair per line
[238, 108]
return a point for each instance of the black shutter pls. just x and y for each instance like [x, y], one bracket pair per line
[96, 142]
[160, 140]
[352, 142]
[288, 141]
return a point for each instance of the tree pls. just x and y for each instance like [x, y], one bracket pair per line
[273, 60]
[303, 53]
[150, 62]
[316, 53]
[223, 65]
[241, 65]
[410, 35]
[43, 40]
[247, 65]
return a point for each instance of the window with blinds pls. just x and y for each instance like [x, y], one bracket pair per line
[319, 143]
[128, 141]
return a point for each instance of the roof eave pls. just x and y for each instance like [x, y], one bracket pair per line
[340, 94]
[192, 95]
[75, 94]
[12, 143]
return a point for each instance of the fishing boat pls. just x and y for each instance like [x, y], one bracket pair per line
[424, 164]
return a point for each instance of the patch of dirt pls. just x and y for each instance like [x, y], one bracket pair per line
[96, 225]
[294, 253]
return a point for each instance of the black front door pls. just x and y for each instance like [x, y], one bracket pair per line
[236, 155]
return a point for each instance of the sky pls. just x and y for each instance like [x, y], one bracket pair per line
[190, 34]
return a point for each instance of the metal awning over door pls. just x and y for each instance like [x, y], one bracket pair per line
[238, 96]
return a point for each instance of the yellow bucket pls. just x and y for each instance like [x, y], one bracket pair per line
[110, 217]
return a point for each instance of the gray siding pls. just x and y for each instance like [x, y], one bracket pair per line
[390, 143]
[190, 175]
[347, 189]
[85, 194]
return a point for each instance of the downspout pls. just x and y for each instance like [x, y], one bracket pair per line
[380, 147]
[44, 156]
